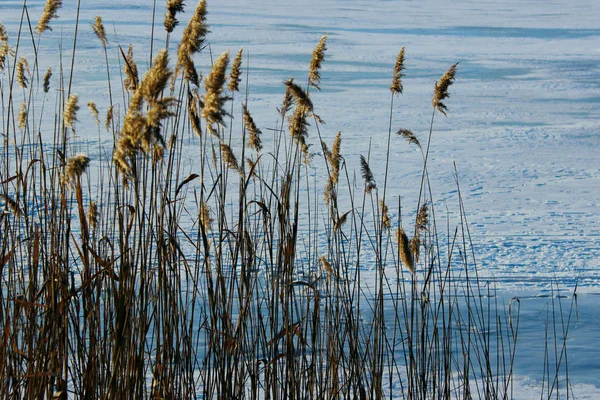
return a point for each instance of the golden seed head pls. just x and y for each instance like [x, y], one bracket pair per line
[314, 75]
[109, 117]
[70, 113]
[4, 51]
[49, 13]
[131, 81]
[441, 89]
[204, 214]
[92, 215]
[156, 79]
[326, 266]
[404, 248]
[385, 218]
[229, 158]
[254, 141]
[396, 86]
[3, 34]
[288, 99]
[367, 175]
[98, 28]
[422, 218]
[193, 35]
[22, 72]
[214, 99]
[236, 72]
[76, 166]
[334, 158]
[23, 116]
[173, 7]
[298, 126]
[300, 96]
[409, 136]
[94, 110]
[341, 221]
[47, 77]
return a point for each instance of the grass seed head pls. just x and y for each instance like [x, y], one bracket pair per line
[22, 72]
[409, 136]
[92, 215]
[94, 110]
[236, 72]
[173, 7]
[405, 250]
[50, 12]
[98, 28]
[367, 175]
[254, 141]
[441, 89]
[396, 86]
[314, 75]
[47, 77]
[76, 166]
[385, 218]
[214, 99]
[131, 81]
[23, 116]
[70, 113]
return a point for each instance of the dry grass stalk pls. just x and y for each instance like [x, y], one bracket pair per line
[254, 141]
[23, 116]
[22, 72]
[229, 158]
[367, 175]
[50, 12]
[396, 86]
[98, 28]
[192, 40]
[173, 7]
[409, 136]
[236, 72]
[404, 248]
[314, 75]
[441, 89]
[385, 218]
[131, 81]
[70, 113]
[214, 99]
[12, 205]
[92, 215]
[94, 110]
[76, 166]
[47, 77]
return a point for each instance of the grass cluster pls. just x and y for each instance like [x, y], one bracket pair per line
[129, 273]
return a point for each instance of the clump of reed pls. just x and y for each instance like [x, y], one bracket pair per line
[131, 270]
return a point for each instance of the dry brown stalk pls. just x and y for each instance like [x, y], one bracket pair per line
[50, 12]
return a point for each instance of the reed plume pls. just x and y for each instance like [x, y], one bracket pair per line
[314, 75]
[94, 111]
[192, 40]
[92, 215]
[300, 96]
[385, 218]
[193, 113]
[441, 89]
[98, 28]
[109, 117]
[254, 141]
[47, 77]
[156, 79]
[205, 218]
[131, 81]
[22, 72]
[405, 250]
[50, 12]
[76, 166]
[396, 86]
[3, 34]
[4, 51]
[326, 266]
[288, 99]
[236, 72]
[70, 113]
[367, 175]
[229, 158]
[173, 7]
[23, 116]
[214, 99]
[409, 136]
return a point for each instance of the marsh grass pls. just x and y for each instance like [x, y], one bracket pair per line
[133, 274]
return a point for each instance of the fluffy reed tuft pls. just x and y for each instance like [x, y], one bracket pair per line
[173, 7]
[47, 77]
[22, 116]
[405, 251]
[98, 28]
[288, 99]
[335, 157]
[300, 96]
[254, 141]
[4, 50]
[192, 40]
[109, 117]
[396, 86]
[3, 34]
[386, 222]
[409, 136]
[236, 72]
[193, 113]
[367, 175]
[214, 99]
[204, 214]
[131, 81]
[326, 266]
[229, 158]
[70, 113]
[50, 12]
[92, 215]
[314, 75]
[441, 89]
[76, 166]
[22, 72]
[422, 218]
[94, 110]
[156, 79]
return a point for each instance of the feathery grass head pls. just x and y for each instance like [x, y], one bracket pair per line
[94, 110]
[441, 89]
[76, 166]
[367, 175]
[50, 12]
[23, 116]
[314, 75]
[131, 81]
[204, 214]
[229, 158]
[334, 158]
[236, 72]
[173, 7]
[396, 86]
[4, 51]
[385, 218]
[326, 266]
[22, 72]
[47, 77]
[92, 215]
[156, 79]
[214, 99]
[193, 38]
[70, 113]
[288, 99]
[422, 218]
[405, 250]
[300, 96]
[409, 136]
[254, 141]
[3, 34]
[109, 117]
[193, 113]
[98, 28]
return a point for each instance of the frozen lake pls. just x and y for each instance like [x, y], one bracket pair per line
[523, 124]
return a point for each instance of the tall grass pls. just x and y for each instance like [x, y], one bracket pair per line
[129, 272]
